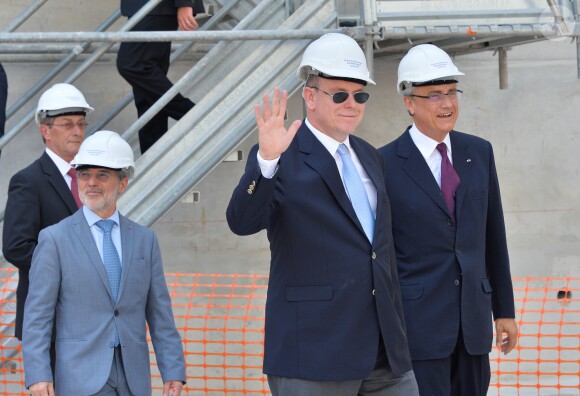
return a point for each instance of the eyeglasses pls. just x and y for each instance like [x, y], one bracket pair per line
[454, 96]
[101, 176]
[70, 125]
[341, 96]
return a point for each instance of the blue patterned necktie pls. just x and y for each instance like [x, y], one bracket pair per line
[357, 193]
[112, 262]
[449, 179]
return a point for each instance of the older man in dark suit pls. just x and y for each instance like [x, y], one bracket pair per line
[449, 234]
[334, 320]
[40, 195]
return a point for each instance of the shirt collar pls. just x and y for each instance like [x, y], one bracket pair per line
[328, 142]
[62, 165]
[92, 217]
[425, 144]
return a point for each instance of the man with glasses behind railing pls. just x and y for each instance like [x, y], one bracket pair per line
[449, 234]
[45, 192]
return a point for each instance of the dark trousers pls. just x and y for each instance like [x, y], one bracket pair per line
[144, 65]
[460, 374]
[3, 98]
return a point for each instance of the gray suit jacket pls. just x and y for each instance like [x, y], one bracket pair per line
[68, 276]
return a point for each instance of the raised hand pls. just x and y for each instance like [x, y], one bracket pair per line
[273, 138]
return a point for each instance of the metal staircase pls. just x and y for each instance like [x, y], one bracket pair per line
[232, 76]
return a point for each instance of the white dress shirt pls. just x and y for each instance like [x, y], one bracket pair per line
[428, 148]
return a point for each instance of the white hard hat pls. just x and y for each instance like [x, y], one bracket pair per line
[108, 150]
[61, 99]
[426, 64]
[335, 55]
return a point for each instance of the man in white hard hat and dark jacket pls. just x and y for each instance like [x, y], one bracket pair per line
[40, 195]
[103, 277]
[449, 234]
[334, 319]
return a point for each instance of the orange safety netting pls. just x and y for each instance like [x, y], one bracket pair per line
[221, 320]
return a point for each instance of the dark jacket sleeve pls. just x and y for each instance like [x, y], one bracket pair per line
[165, 7]
[197, 5]
[22, 221]
[253, 200]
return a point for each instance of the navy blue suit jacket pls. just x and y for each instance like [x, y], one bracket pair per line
[451, 275]
[331, 293]
[38, 197]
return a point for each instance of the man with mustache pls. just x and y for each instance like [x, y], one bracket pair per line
[102, 275]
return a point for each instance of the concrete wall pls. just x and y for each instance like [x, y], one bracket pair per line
[533, 126]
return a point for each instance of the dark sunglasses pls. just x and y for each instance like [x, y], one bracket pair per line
[341, 96]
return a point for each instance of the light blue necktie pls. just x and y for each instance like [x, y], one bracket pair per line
[357, 193]
[112, 262]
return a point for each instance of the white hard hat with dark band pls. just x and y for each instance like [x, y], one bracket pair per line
[423, 65]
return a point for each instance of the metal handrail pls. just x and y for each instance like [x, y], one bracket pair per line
[120, 105]
[24, 15]
[82, 67]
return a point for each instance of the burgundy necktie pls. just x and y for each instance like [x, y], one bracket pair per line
[449, 179]
[74, 186]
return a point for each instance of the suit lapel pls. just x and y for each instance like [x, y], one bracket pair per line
[57, 182]
[462, 165]
[319, 159]
[416, 167]
[87, 241]
[127, 238]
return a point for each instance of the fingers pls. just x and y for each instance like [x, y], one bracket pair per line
[510, 341]
[194, 24]
[509, 328]
[266, 106]
[271, 109]
[185, 19]
[42, 389]
[276, 105]
[293, 129]
[172, 388]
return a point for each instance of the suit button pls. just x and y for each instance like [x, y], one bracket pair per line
[250, 191]
[374, 292]
[374, 255]
[116, 312]
[456, 282]
[449, 222]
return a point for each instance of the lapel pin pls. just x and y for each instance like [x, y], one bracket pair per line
[469, 160]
